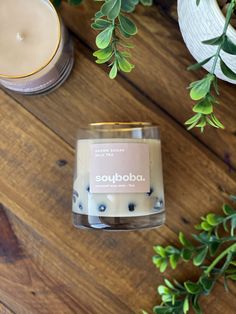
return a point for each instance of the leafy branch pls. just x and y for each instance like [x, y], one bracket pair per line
[215, 232]
[115, 28]
[205, 90]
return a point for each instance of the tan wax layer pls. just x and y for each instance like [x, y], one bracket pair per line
[29, 36]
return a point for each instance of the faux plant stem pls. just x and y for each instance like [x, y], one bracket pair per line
[231, 248]
[204, 90]
[227, 23]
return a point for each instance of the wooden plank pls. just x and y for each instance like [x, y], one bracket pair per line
[102, 272]
[161, 59]
[23, 288]
[4, 309]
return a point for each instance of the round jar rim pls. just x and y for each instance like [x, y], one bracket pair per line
[108, 126]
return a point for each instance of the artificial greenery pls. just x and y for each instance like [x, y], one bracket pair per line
[213, 249]
[115, 30]
[206, 90]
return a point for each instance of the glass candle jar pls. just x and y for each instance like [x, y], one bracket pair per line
[118, 181]
[36, 52]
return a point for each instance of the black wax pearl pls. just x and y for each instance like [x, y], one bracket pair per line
[159, 204]
[150, 192]
[102, 208]
[88, 189]
[80, 206]
[131, 207]
[75, 193]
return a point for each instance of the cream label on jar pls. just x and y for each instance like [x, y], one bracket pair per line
[119, 168]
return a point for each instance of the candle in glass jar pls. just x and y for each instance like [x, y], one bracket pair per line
[118, 177]
[35, 53]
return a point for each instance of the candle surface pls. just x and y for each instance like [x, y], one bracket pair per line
[29, 36]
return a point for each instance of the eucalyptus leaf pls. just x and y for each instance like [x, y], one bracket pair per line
[227, 71]
[115, 10]
[228, 46]
[113, 71]
[200, 257]
[100, 24]
[103, 53]
[214, 41]
[104, 38]
[127, 25]
[198, 65]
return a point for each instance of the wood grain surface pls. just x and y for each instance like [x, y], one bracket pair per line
[48, 266]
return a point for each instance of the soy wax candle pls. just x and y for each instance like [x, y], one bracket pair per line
[36, 52]
[118, 182]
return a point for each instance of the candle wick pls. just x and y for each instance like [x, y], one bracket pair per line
[19, 36]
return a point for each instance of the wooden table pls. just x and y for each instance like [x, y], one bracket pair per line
[46, 265]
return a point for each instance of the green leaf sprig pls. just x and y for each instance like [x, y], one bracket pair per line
[115, 28]
[205, 90]
[214, 242]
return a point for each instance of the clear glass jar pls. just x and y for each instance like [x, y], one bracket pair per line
[50, 75]
[118, 181]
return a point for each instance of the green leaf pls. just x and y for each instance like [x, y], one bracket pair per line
[183, 240]
[214, 41]
[186, 305]
[207, 283]
[98, 15]
[123, 32]
[213, 219]
[186, 254]
[127, 25]
[233, 226]
[203, 106]
[196, 306]
[101, 61]
[193, 119]
[169, 284]
[205, 226]
[163, 266]
[200, 89]
[124, 64]
[216, 121]
[163, 290]
[107, 6]
[160, 250]
[104, 38]
[174, 260]
[228, 210]
[227, 71]
[198, 65]
[232, 277]
[192, 287]
[103, 53]
[228, 46]
[157, 260]
[113, 71]
[100, 24]
[128, 5]
[162, 309]
[115, 11]
[213, 247]
[200, 257]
